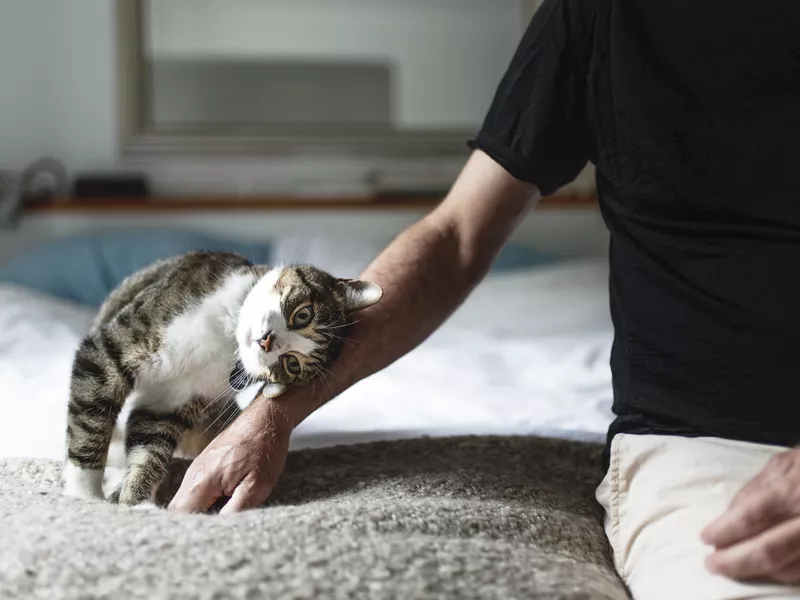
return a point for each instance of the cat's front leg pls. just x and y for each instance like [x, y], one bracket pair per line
[150, 441]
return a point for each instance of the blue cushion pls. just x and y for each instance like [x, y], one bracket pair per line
[85, 269]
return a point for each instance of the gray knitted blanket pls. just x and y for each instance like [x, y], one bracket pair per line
[423, 518]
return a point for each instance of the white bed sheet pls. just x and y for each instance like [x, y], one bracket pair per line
[526, 354]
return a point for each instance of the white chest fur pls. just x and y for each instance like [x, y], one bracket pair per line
[198, 351]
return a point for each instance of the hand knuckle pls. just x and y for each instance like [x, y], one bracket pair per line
[754, 513]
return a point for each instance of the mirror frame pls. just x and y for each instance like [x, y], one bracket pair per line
[138, 137]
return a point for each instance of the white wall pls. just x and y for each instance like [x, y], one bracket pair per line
[448, 55]
[25, 80]
[57, 86]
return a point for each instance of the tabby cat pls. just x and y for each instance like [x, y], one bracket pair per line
[177, 341]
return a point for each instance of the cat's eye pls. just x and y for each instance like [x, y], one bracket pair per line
[293, 365]
[303, 317]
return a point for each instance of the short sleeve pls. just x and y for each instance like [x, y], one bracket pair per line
[536, 127]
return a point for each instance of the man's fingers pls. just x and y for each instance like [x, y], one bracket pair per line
[248, 494]
[196, 494]
[765, 555]
[748, 516]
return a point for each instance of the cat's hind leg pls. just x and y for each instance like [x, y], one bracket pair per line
[100, 384]
[150, 440]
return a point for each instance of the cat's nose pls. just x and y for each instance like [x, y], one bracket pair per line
[267, 341]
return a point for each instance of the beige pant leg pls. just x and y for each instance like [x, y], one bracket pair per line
[659, 494]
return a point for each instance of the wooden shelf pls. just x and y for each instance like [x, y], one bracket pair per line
[288, 204]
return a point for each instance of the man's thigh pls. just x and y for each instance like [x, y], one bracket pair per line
[659, 494]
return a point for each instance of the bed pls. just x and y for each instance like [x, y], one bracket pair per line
[508, 402]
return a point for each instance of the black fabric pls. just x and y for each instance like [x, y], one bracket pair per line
[690, 111]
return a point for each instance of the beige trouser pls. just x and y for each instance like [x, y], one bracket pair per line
[659, 493]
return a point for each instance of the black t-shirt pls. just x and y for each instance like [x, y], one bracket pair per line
[690, 111]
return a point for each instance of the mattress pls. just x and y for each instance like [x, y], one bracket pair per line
[526, 354]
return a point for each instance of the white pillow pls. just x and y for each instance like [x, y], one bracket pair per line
[39, 337]
[569, 297]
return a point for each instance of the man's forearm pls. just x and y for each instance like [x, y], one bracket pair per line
[425, 274]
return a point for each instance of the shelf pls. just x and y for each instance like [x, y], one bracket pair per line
[287, 204]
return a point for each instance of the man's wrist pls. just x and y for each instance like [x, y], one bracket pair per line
[288, 410]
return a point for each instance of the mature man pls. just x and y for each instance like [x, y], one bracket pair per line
[690, 110]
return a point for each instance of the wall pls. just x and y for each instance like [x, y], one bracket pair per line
[447, 55]
[25, 80]
[57, 86]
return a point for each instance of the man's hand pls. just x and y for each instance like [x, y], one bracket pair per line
[243, 462]
[758, 537]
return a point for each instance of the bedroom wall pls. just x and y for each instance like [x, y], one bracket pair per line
[445, 78]
[24, 90]
[57, 88]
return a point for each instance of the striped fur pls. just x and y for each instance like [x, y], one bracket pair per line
[164, 345]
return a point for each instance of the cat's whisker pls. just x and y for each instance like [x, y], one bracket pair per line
[329, 373]
[222, 412]
[342, 326]
[232, 418]
[338, 337]
[216, 399]
[321, 377]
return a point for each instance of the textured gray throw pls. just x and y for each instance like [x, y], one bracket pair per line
[425, 518]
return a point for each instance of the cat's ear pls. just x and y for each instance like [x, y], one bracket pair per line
[359, 294]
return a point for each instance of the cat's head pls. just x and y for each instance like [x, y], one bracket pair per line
[292, 324]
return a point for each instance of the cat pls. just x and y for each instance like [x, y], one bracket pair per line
[177, 341]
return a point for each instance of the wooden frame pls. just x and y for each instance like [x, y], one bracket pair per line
[139, 138]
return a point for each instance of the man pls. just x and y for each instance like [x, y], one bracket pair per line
[691, 112]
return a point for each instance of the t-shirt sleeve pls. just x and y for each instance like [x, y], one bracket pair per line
[536, 127]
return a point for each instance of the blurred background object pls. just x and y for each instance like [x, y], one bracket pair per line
[39, 182]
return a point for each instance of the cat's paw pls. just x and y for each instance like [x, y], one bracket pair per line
[81, 494]
[84, 484]
[146, 507]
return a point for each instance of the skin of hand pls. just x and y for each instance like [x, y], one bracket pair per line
[758, 537]
[425, 274]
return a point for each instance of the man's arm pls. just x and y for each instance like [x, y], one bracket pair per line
[425, 274]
